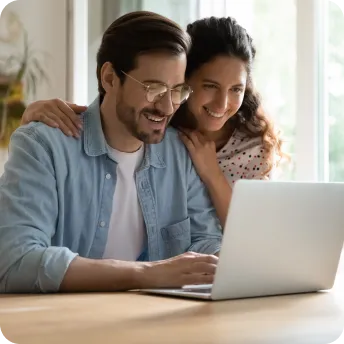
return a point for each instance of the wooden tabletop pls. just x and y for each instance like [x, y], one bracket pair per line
[137, 318]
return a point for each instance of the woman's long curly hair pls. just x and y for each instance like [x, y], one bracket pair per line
[213, 37]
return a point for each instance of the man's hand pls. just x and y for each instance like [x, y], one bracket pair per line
[85, 274]
[188, 268]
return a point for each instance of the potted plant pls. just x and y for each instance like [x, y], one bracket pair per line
[20, 74]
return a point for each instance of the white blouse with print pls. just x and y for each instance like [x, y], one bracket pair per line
[243, 157]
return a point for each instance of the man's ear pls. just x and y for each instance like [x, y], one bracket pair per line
[109, 77]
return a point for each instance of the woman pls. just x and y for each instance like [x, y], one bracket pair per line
[222, 125]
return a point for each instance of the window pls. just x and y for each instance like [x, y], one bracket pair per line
[272, 25]
[298, 71]
[335, 89]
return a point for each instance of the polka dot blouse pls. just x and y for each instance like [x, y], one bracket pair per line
[243, 157]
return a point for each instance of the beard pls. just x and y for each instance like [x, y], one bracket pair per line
[130, 117]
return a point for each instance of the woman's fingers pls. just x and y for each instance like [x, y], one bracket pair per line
[78, 109]
[187, 141]
[46, 119]
[69, 116]
[196, 137]
[49, 117]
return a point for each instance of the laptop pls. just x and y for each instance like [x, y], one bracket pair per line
[279, 238]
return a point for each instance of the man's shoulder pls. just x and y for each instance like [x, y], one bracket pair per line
[172, 146]
[43, 134]
[172, 150]
[172, 139]
[171, 132]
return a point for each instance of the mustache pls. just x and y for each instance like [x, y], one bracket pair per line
[154, 112]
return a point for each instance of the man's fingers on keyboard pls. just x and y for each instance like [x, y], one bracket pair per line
[201, 267]
[197, 279]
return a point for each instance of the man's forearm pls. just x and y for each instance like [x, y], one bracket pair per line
[84, 275]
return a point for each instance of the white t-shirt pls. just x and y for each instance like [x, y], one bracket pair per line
[127, 234]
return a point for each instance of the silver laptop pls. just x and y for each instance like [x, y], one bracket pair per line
[280, 238]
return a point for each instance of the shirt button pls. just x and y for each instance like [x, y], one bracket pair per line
[108, 176]
[102, 224]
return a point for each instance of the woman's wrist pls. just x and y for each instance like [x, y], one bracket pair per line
[215, 180]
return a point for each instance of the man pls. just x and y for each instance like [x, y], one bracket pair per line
[122, 207]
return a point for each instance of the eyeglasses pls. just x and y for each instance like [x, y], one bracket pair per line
[156, 91]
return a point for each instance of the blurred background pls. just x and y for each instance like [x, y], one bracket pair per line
[48, 50]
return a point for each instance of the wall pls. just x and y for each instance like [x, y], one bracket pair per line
[46, 24]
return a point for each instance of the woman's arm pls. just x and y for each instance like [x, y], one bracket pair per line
[57, 114]
[203, 155]
[253, 165]
[220, 193]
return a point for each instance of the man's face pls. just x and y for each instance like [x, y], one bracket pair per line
[146, 115]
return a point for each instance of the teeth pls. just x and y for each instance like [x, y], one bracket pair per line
[154, 118]
[214, 114]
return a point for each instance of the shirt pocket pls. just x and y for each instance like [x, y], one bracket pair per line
[177, 238]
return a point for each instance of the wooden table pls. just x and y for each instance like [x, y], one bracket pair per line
[134, 318]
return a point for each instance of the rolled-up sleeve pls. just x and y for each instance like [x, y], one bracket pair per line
[28, 218]
[206, 231]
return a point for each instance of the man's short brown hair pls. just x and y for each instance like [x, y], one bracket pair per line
[138, 33]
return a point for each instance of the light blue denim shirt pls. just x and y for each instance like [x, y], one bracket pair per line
[56, 201]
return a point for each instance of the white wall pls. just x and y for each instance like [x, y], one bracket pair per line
[46, 23]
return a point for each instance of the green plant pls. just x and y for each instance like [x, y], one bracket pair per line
[21, 68]
[25, 66]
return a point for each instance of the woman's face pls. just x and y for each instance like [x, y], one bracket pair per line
[218, 91]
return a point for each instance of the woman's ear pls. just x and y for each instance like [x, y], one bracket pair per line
[109, 79]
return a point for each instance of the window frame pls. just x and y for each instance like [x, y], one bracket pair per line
[311, 141]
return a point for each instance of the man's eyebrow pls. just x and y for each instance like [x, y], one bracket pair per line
[154, 81]
[215, 82]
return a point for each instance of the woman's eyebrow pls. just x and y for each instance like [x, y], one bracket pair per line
[240, 84]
